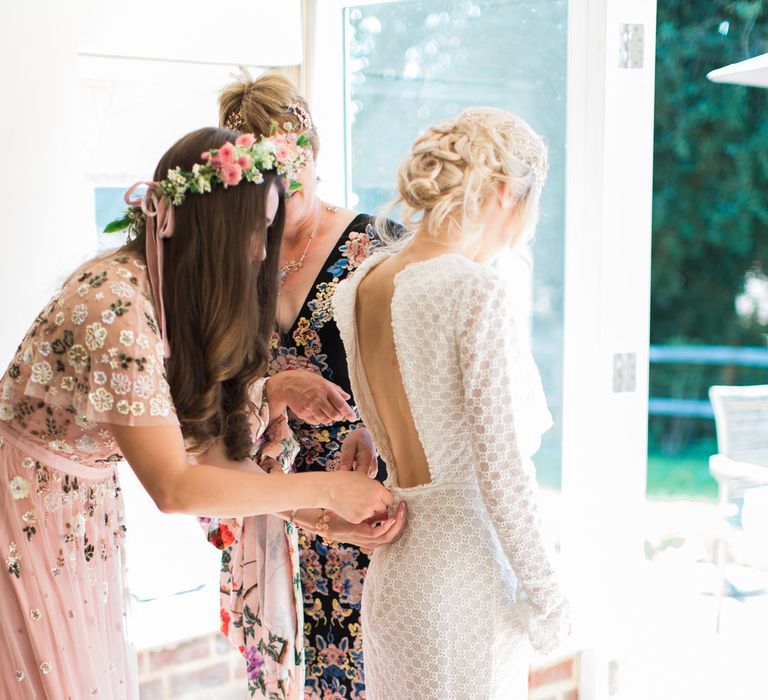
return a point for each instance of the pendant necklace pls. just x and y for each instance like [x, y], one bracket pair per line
[293, 265]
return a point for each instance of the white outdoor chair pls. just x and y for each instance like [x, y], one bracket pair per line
[741, 471]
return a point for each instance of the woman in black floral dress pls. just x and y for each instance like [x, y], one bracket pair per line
[322, 244]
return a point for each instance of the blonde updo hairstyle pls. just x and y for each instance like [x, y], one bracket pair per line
[455, 168]
[252, 105]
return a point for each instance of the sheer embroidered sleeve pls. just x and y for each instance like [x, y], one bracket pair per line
[98, 351]
[507, 415]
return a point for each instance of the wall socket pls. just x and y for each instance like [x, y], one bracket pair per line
[624, 372]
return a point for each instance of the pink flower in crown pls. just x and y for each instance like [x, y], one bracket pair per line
[245, 161]
[245, 140]
[230, 173]
[284, 149]
[226, 154]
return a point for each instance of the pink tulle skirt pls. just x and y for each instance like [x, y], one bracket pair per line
[62, 588]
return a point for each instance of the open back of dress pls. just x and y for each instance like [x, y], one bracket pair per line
[379, 364]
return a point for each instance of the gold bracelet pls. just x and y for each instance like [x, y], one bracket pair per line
[322, 526]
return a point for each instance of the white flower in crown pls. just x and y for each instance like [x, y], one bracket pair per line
[201, 181]
[176, 176]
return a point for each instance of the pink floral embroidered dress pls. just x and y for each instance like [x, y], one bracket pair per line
[92, 359]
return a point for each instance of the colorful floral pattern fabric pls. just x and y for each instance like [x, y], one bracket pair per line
[331, 575]
[92, 358]
[263, 621]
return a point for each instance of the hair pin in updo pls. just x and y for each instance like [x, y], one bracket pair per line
[524, 148]
[526, 151]
[235, 120]
[298, 111]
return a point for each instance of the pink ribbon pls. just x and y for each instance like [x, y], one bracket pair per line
[159, 225]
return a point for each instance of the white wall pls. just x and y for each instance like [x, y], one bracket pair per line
[198, 31]
[43, 231]
[93, 93]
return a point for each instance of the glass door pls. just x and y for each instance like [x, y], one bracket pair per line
[412, 64]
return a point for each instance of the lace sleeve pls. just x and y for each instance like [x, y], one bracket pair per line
[493, 375]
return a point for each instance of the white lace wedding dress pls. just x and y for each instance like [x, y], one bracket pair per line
[448, 609]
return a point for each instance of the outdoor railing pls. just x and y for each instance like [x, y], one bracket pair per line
[717, 355]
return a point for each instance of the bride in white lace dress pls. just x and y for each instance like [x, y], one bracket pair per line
[448, 388]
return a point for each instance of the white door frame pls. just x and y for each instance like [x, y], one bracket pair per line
[607, 312]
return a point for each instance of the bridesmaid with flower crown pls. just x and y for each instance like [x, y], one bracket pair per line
[153, 353]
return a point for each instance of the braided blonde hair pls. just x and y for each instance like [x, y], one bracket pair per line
[456, 167]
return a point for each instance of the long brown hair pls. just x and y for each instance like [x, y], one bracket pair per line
[220, 306]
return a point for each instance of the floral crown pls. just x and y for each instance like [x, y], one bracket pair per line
[247, 159]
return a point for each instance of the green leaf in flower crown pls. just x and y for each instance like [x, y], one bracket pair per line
[293, 185]
[303, 141]
[118, 224]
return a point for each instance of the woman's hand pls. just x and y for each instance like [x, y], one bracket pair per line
[368, 535]
[354, 496]
[358, 453]
[312, 398]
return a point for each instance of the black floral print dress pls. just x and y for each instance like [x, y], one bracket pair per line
[331, 575]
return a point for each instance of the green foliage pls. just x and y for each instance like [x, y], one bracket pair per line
[119, 224]
[710, 219]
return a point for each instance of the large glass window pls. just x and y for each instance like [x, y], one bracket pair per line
[414, 63]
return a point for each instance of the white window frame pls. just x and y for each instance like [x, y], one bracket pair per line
[606, 287]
